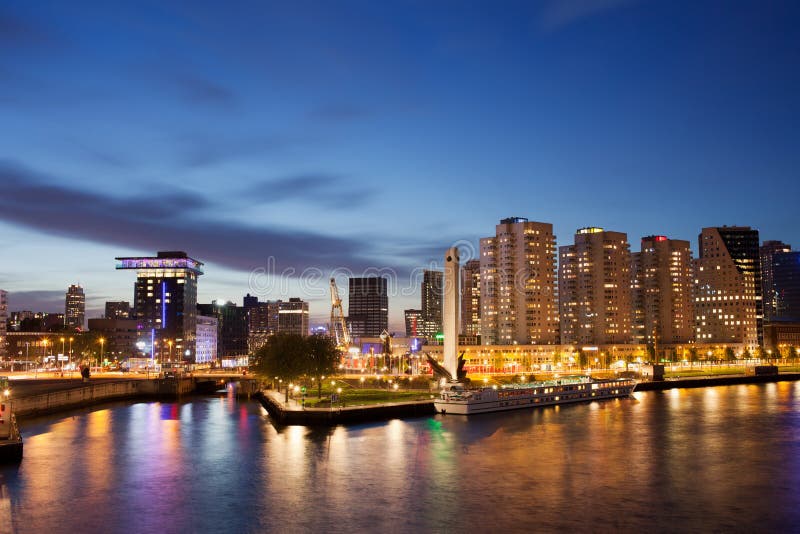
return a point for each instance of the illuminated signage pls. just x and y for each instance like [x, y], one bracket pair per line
[159, 263]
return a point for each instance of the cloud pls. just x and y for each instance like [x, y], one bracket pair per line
[16, 32]
[202, 91]
[198, 150]
[337, 113]
[560, 13]
[172, 221]
[329, 190]
[46, 301]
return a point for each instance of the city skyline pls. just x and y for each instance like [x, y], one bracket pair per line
[236, 137]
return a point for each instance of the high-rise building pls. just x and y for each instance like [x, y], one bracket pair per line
[786, 285]
[768, 290]
[75, 307]
[518, 296]
[232, 329]
[118, 310]
[165, 299]
[293, 316]
[594, 288]
[206, 339]
[249, 301]
[728, 307]
[431, 296]
[662, 292]
[268, 318]
[262, 322]
[368, 306]
[413, 323]
[3, 321]
[120, 337]
[471, 298]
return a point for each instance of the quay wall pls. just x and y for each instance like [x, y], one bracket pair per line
[348, 415]
[702, 382]
[97, 393]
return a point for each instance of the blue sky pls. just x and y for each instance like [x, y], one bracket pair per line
[356, 135]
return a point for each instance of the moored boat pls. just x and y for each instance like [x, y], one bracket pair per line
[10, 437]
[455, 398]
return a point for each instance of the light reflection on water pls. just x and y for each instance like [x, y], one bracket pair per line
[705, 459]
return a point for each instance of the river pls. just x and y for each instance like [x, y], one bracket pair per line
[715, 459]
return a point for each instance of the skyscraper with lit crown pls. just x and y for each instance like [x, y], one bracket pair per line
[165, 302]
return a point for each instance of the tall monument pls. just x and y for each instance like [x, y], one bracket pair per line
[451, 310]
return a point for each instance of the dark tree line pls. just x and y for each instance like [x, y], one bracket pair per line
[288, 357]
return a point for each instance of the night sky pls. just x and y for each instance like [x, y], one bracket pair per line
[373, 135]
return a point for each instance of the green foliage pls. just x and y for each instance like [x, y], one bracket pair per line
[729, 354]
[290, 356]
[323, 356]
[583, 359]
[746, 354]
[693, 354]
[283, 355]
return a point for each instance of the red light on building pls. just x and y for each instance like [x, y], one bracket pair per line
[661, 238]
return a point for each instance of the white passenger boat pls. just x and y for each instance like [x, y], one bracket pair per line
[455, 398]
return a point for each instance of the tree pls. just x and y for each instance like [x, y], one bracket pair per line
[746, 354]
[283, 355]
[651, 353]
[323, 357]
[729, 354]
[693, 354]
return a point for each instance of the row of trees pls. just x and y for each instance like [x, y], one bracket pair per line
[290, 356]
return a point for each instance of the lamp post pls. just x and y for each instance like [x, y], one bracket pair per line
[102, 346]
[44, 351]
[63, 340]
[70, 349]
[169, 342]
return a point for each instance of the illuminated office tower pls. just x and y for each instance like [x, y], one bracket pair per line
[74, 307]
[728, 307]
[165, 303]
[594, 288]
[662, 292]
[769, 291]
[3, 319]
[431, 300]
[518, 298]
[471, 298]
[368, 306]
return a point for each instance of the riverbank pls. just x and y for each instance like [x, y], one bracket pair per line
[55, 396]
[710, 381]
[292, 414]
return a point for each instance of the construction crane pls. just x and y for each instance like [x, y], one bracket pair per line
[338, 322]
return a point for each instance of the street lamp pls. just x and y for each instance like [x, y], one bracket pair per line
[169, 342]
[70, 349]
[44, 351]
[62, 347]
[102, 346]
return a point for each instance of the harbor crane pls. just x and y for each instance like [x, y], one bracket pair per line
[338, 322]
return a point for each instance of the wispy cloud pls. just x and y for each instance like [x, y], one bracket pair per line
[201, 90]
[560, 13]
[201, 150]
[337, 112]
[330, 190]
[173, 221]
[45, 301]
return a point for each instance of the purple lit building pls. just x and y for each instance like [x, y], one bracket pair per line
[165, 303]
